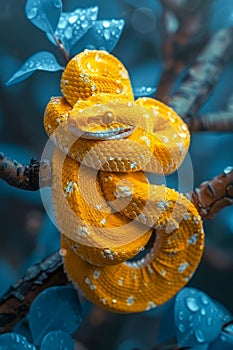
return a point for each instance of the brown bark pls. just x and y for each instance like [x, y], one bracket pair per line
[25, 177]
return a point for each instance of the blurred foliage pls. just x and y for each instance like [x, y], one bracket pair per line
[27, 235]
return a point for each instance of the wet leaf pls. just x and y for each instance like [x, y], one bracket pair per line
[44, 14]
[73, 25]
[14, 341]
[197, 319]
[57, 340]
[103, 35]
[56, 308]
[42, 60]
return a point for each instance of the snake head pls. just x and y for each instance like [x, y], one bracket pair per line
[102, 122]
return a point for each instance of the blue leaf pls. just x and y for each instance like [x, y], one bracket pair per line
[197, 319]
[57, 340]
[44, 14]
[14, 341]
[22, 328]
[56, 308]
[103, 35]
[73, 25]
[223, 342]
[43, 60]
[143, 91]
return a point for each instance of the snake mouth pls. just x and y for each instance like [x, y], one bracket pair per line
[110, 134]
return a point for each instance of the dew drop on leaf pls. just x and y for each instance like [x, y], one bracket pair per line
[199, 335]
[101, 36]
[73, 25]
[192, 304]
[42, 60]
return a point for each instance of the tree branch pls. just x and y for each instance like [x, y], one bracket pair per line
[25, 177]
[214, 195]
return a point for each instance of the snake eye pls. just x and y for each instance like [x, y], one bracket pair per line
[107, 118]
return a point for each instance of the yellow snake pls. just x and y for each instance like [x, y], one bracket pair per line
[104, 206]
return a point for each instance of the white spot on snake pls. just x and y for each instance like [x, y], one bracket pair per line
[196, 219]
[124, 74]
[149, 268]
[98, 206]
[103, 301]
[163, 272]
[146, 116]
[121, 281]
[193, 239]
[182, 134]
[165, 139]
[87, 280]
[133, 275]
[151, 305]
[64, 81]
[114, 301]
[183, 267]
[130, 300]
[103, 221]
[142, 218]
[123, 191]
[108, 254]
[96, 274]
[162, 205]
[145, 138]
[184, 127]
[171, 226]
[98, 58]
[130, 104]
[93, 87]
[71, 186]
[187, 216]
[83, 231]
[118, 91]
[92, 286]
[133, 165]
[181, 147]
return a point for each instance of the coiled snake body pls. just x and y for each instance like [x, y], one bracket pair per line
[104, 206]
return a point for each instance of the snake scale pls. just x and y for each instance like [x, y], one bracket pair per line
[104, 205]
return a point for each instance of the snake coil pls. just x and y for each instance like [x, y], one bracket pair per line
[104, 206]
